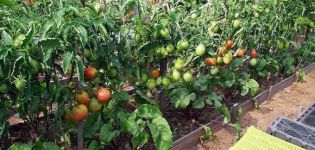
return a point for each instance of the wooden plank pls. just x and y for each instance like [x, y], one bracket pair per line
[310, 67]
[282, 85]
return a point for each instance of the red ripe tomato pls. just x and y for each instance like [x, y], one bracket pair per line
[210, 61]
[90, 73]
[103, 95]
[155, 73]
[253, 54]
[229, 44]
[80, 113]
[82, 97]
[240, 53]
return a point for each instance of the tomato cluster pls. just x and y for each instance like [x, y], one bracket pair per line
[88, 102]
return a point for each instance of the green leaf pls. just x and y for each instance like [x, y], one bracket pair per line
[29, 36]
[245, 90]
[148, 111]
[20, 146]
[48, 55]
[237, 62]
[261, 64]
[185, 101]
[121, 96]
[141, 98]
[49, 43]
[7, 38]
[91, 125]
[173, 16]
[67, 58]
[107, 133]
[131, 125]
[238, 128]
[215, 99]
[201, 83]
[253, 86]
[80, 70]
[4, 114]
[123, 118]
[161, 133]
[8, 3]
[226, 112]
[207, 135]
[4, 52]
[82, 34]
[181, 97]
[140, 140]
[198, 104]
[94, 145]
[50, 146]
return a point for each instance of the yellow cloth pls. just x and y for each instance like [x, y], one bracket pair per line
[255, 139]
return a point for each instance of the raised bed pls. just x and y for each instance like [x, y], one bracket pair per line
[192, 138]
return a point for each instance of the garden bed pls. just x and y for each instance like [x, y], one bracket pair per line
[192, 138]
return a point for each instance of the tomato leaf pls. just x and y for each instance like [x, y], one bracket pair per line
[82, 34]
[91, 125]
[181, 97]
[201, 83]
[50, 146]
[148, 111]
[29, 36]
[20, 146]
[67, 58]
[141, 98]
[140, 140]
[107, 133]
[80, 71]
[245, 90]
[253, 86]
[7, 38]
[49, 43]
[161, 133]
[226, 112]
[198, 104]
[8, 3]
[207, 135]
[121, 96]
[94, 145]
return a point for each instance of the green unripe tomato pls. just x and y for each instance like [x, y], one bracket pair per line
[179, 64]
[166, 82]
[170, 48]
[201, 50]
[188, 76]
[151, 84]
[176, 75]
[165, 33]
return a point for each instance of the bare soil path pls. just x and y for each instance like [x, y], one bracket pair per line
[288, 102]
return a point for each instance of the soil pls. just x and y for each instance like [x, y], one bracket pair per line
[289, 102]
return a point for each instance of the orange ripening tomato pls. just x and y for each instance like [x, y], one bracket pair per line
[229, 44]
[210, 61]
[240, 53]
[155, 73]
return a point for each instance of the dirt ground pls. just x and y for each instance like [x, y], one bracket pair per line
[289, 102]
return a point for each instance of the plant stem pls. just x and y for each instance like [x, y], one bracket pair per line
[80, 136]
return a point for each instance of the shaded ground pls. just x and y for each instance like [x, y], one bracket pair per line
[289, 102]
